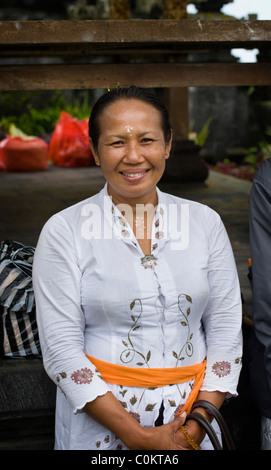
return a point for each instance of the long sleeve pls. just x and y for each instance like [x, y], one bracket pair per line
[223, 315]
[61, 322]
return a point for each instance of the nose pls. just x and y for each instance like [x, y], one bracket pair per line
[133, 153]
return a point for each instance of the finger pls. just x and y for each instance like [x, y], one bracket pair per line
[179, 421]
[182, 416]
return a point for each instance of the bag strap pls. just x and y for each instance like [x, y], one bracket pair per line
[213, 411]
[220, 420]
[207, 427]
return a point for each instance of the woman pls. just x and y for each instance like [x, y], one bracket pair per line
[138, 301]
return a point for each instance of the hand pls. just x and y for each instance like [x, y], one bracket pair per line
[162, 437]
[108, 411]
[194, 431]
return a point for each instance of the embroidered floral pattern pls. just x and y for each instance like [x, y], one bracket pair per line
[159, 234]
[125, 233]
[238, 360]
[221, 368]
[130, 352]
[148, 261]
[136, 416]
[185, 310]
[123, 222]
[178, 410]
[83, 376]
[62, 375]
[106, 441]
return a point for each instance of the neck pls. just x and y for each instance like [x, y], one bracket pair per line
[139, 213]
[139, 205]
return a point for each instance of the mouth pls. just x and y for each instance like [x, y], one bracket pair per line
[136, 173]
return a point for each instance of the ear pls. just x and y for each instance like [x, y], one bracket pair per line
[94, 153]
[168, 146]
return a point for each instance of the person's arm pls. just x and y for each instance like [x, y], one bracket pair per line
[60, 318]
[194, 429]
[108, 411]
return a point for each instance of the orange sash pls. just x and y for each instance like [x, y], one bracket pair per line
[153, 377]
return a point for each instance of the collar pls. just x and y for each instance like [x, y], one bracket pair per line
[121, 229]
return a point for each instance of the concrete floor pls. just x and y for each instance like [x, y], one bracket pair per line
[27, 200]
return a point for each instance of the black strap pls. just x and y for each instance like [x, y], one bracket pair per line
[207, 427]
[213, 411]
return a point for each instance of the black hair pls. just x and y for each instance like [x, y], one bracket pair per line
[127, 93]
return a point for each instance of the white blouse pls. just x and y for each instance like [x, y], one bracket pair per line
[97, 294]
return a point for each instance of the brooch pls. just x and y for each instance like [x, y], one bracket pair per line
[149, 261]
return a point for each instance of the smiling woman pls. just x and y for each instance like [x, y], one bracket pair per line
[134, 323]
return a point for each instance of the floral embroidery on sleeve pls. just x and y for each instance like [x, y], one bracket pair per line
[83, 376]
[63, 375]
[221, 368]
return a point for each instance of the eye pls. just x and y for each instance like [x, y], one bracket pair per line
[117, 143]
[146, 140]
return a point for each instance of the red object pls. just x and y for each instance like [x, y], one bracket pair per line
[17, 154]
[69, 145]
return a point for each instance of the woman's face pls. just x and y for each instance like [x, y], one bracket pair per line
[131, 150]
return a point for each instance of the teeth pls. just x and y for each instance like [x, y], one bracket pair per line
[133, 175]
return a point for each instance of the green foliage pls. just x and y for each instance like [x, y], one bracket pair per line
[259, 152]
[202, 135]
[204, 132]
[250, 163]
[36, 114]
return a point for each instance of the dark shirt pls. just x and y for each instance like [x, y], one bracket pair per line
[260, 245]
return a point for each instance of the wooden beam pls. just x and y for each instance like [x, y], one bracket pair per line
[49, 77]
[177, 102]
[107, 34]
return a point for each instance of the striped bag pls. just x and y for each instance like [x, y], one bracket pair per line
[19, 332]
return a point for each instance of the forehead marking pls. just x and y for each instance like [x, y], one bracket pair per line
[129, 130]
